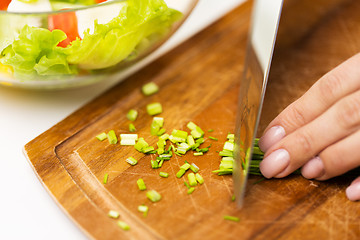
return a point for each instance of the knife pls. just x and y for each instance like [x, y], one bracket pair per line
[260, 47]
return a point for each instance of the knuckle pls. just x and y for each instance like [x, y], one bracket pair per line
[295, 117]
[305, 141]
[330, 86]
[333, 160]
[348, 114]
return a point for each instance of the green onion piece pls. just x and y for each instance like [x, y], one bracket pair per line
[233, 198]
[181, 150]
[213, 138]
[123, 225]
[159, 121]
[112, 137]
[192, 179]
[186, 166]
[132, 127]
[154, 128]
[229, 146]
[190, 141]
[231, 218]
[200, 140]
[194, 168]
[191, 125]
[102, 136]
[191, 190]
[230, 136]
[149, 89]
[161, 132]
[165, 156]
[153, 196]
[258, 181]
[187, 185]
[149, 149]
[154, 108]
[210, 130]
[202, 150]
[141, 184]
[178, 154]
[132, 115]
[161, 163]
[154, 164]
[133, 136]
[198, 153]
[180, 173]
[127, 142]
[226, 153]
[164, 137]
[179, 134]
[199, 178]
[132, 161]
[113, 214]
[106, 178]
[143, 209]
[164, 174]
[141, 144]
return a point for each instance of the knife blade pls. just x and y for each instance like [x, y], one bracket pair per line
[264, 25]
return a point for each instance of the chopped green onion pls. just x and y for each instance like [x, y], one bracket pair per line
[199, 178]
[149, 89]
[198, 153]
[149, 149]
[154, 108]
[128, 139]
[161, 163]
[102, 136]
[229, 146]
[231, 218]
[180, 134]
[154, 164]
[112, 137]
[153, 196]
[123, 225]
[192, 179]
[141, 144]
[187, 185]
[132, 161]
[194, 168]
[106, 178]
[132, 127]
[141, 184]
[143, 209]
[161, 132]
[258, 181]
[233, 198]
[210, 130]
[180, 173]
[191, 125]
[113, 214]
[164, 174]
[132, 115]
[185, 166]
[230, 136]
[226, 153]
[190, 141]
[164, 137]
[159, 121]
[178, 154]
[129, 136]
[191, 190]
[213, 138]
[154, 128]
[200, 140]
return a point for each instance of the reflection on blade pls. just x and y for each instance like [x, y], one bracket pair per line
[252, 89]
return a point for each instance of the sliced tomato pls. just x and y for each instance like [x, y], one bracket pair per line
[100, 1]
[4, 4]
[66, 22]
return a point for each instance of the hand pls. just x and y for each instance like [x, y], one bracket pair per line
[320, 131]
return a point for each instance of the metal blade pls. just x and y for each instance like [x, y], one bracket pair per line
[265, 21]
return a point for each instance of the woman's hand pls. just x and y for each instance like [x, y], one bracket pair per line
[320, 131]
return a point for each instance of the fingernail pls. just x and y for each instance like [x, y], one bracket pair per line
[353, 191]
[275, 163]
[271, 136]
[313, 168]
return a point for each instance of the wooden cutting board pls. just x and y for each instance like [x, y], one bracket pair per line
[199, 82]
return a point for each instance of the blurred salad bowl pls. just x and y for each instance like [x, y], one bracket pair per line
[53, 44]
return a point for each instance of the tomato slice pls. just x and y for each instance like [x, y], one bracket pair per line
[4, 4]
[66, 22]
[100, 1]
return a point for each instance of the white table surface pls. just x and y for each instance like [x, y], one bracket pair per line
[26, 209]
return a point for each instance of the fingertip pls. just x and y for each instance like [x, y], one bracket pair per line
[270, 137]
[275, 163]
[353, 191]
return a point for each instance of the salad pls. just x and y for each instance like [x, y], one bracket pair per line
[69, 43]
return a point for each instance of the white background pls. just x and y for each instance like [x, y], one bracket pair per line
[26, 209]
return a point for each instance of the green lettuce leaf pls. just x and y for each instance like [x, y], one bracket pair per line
[113, 42]
[35, 54]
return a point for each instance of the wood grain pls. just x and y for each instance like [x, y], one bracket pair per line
[199, 82]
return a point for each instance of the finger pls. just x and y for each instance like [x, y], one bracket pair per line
[335, 160]
[353, 191]
[339, 121]
[338, 83]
